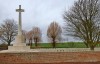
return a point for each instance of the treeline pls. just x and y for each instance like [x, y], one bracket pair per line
[9, 30]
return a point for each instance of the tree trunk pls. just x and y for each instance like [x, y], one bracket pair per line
[54, 42]
[36, 42]
[8, 43]
[92, 48]
[31, 42]
[86, 45]
[25, 40]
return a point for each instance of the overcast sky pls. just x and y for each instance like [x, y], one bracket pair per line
[37, 12]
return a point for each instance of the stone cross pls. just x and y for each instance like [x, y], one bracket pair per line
[19, 44]
[20, 21]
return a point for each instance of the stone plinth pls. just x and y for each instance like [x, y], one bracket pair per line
[19, 39]
[19, 44]
[19, 48]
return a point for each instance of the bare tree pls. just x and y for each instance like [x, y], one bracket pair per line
[1, 31]
[54, 33]
[83, 21]
[36, 35]
[9, 31]
[29, 37]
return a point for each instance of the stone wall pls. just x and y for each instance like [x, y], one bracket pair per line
[49, 57]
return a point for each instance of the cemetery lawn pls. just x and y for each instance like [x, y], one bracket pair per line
[62, 45]
[58, 45]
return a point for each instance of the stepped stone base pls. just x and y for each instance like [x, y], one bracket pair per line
[19, 44]
[19, 39]
[18, 48]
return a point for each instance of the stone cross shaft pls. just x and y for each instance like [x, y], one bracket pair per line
[20, 21]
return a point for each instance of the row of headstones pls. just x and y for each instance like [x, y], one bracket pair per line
[65, 49]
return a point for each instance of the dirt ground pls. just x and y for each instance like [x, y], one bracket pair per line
[50, 58]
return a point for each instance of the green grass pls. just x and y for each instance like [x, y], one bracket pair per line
[62, 45]
[58, 45]
[43, 45]
[3, 46]
[72, 45]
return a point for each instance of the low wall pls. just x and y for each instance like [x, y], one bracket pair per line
[49, 57]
